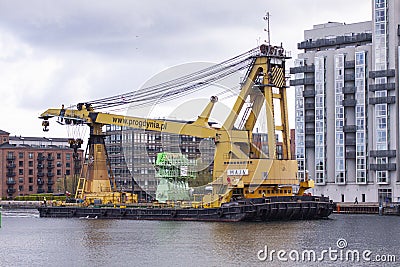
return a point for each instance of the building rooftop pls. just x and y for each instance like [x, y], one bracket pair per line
[37, 139]
[4, 132]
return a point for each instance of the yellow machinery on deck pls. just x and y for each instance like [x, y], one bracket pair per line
[241, 168]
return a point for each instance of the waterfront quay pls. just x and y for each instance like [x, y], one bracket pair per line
[368, 208]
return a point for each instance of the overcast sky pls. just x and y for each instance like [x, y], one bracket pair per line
[65, 52]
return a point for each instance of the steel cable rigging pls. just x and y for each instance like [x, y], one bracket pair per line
[178, 87]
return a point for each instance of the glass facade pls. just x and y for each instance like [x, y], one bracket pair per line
[300, 137]
[319, 120]
[340, 176]
[361, 134]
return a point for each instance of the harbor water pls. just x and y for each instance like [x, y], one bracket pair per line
[27, 240]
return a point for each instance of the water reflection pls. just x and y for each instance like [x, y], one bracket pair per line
[56, 242]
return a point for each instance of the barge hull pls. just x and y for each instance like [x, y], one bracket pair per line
[262, 209]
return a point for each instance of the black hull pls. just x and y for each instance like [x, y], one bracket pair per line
[263, 209]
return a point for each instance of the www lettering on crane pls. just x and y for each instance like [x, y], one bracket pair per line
[140, 123]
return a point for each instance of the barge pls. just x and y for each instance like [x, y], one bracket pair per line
[259, 209]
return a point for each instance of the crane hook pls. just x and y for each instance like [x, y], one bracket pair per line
[45, 124]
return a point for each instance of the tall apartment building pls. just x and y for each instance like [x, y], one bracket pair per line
[347, 107]
[30, 165]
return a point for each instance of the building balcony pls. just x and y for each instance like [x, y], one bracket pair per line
[40, 166]
[382, 100]
[349, 64]
[40, 181]
[11, 165]
[310, 131]
[305, 81]
[382, 153]
[349, 102]
[349, 128]
[40, 191]
[50, 158]
[40, 158]
[309, 106]
[350, 154]
[50, 166]
[359, 38]
[382, 73]
[382, 87]
[10, 174]
[10, 182]
[350, 141]
[50, 174]
[383, 167]
[310, 143]
[11, 191]
[349, 90]
[309, 118]
[296, 82]
[50, 182]
[308, 93]
[349, 77]
[10, 157]
[302, 69]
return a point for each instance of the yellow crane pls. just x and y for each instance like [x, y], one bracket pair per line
[241, 168]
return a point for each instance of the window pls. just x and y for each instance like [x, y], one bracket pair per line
[30, 155]
[68, 156]
[21, 155]
[68, 164]
[58, 155]
[30, 163]
[58, 172]
[21, 171]
[381, 177]
[30, 188]
[30, 172]
[21, 163]
[67, 172]
[21, 179]
[30, 180]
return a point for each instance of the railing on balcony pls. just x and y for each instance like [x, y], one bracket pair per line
[381, 87]
[382, 73]
[349, 102]
[11, 165]
[382, 100]
[383, 153]
[383, 167]
[10, 182]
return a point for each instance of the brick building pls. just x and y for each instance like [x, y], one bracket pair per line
[30, 165]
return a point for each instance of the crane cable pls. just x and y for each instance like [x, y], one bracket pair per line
[178, 87]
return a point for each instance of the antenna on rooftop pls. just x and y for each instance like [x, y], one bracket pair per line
[266, 18]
